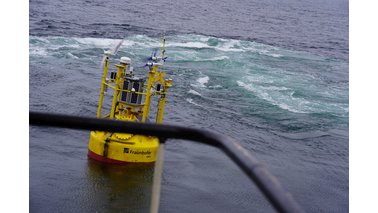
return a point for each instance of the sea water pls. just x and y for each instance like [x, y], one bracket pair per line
[273, 75]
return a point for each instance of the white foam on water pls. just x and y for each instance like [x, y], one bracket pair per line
[267, 52]
[275, 55]
[97, 42]
[201, 42]
[186, 56]
[259, 79]
[277, 88]
[215, 87]
[231, 46]
[104, 43]
[193, 92]
[202, 81]
[205, 39]
[197, 45]
[72, 56]
[40, 47]
[55, 43]
[35, 51]
[51, 45]
[192, 102]
[263, 94]
[262, 49]
[219, 58]
[146, 45]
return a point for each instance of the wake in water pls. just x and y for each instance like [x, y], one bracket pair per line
[290, 80]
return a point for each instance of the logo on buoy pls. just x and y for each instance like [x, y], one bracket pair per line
[129, 151]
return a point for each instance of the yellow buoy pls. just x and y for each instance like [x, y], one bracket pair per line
[130, 102]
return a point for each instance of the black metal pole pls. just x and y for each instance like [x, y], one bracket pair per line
[257, 172]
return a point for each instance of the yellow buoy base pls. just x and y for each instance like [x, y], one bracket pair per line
[122, 147]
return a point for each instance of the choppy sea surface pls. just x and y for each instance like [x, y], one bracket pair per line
[271, 74]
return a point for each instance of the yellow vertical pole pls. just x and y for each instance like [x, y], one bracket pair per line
[160, 110]
[162, 52]
[151, 80]
[117, 88]
[102, 91]
[161, 105]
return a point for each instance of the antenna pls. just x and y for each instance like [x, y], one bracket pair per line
[113, 51]
[163, 59]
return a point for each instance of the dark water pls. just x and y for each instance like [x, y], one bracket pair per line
[272, 74]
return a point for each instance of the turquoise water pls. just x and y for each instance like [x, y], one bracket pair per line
[288, 81]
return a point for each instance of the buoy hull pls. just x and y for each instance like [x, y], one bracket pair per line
[120, 148]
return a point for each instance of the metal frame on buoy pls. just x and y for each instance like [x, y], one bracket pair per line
[131, 101]
[156, 85]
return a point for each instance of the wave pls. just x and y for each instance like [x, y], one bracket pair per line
[255, 70]
[198, 45]
[216, 86]
[285, 99]
[200, 82]
[37, 51]
[96, 42]
[192, 102]
[193, 92]
[193, 42]
[219, 58]
[72, 56]
[277, 101]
